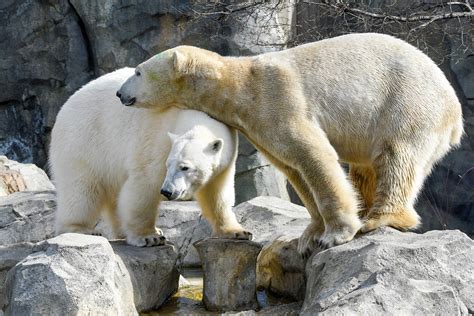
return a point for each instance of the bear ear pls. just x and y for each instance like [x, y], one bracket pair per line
[172, 136]
[184, 64]
[179, 62]
[215, 146]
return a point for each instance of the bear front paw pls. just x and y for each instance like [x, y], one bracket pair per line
[155, 239]
[236, 234]
[333, 238]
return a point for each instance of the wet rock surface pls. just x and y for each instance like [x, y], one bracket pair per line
[229, 267]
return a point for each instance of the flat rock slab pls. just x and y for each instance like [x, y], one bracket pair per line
[81, 274]
[268, 217]
[388, 272]
[27, 217]
[265, 216]
[229, 273]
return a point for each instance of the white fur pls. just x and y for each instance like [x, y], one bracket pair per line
[107, 157]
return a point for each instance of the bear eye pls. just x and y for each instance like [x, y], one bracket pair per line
[184, 168]
[138, 73]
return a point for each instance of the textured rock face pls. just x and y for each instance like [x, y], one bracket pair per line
[27, 216]
[45, 60]
[182, 225]
[255, 176]
[81, 274]
[229, 273]
[15, 177]
[389, 272]
[152, 272]
[10, 255]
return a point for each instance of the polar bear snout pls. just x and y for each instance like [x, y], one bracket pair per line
[169, 191]
[167, 194]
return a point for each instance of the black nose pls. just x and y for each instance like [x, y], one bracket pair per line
[166, 193]
[118, 94]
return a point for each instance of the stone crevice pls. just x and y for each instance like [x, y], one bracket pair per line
[87, 41]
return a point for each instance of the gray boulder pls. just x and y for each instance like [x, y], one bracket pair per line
[391, 273]
[82, 274]
[68, 275]
[152, 272]
[27, 216]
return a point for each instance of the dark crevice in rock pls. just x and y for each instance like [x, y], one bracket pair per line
[185, 245]
[87, 42]
[251, 169]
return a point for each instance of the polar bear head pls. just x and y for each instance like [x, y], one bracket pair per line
[193, 160]
[171, 77]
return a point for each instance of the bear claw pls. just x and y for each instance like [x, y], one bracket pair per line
[152, 240]
[244, 235]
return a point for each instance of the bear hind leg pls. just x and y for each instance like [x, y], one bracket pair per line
[399, 178]
[364, 180]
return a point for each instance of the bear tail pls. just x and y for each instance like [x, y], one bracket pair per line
[457, 133]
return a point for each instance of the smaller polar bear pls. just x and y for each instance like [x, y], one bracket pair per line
[106, 158]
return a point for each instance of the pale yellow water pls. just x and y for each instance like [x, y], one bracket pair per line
[187, 301]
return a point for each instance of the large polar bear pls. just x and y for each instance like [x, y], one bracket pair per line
[370, 100]
[105, 157]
